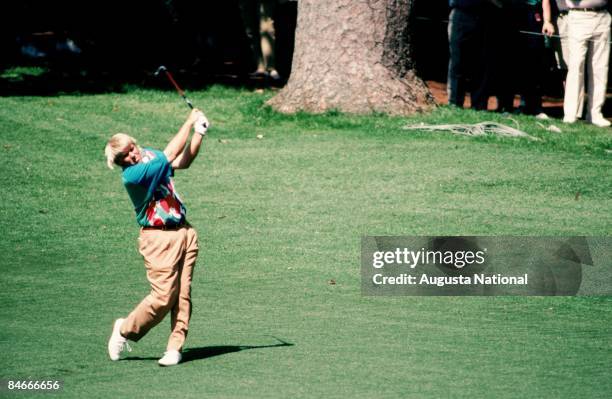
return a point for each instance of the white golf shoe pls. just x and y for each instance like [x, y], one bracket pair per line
[117, 343]
[171, 358]
[600, 122]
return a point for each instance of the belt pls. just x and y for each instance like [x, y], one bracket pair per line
[588, 9]
[164, 227]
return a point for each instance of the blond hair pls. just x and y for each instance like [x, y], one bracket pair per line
[115, 146]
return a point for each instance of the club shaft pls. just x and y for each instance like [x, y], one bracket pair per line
[178, 89]
[176, 86]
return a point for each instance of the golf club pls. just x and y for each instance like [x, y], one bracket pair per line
[176, 86]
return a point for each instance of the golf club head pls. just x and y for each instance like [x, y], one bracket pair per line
[160, 70]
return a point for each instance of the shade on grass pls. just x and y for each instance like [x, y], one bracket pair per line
[278, 218]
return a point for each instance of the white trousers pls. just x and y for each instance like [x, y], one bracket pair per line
[588, 33]
[561, 47]
[562, 54]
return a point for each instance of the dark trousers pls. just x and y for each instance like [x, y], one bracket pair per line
[521, 60]
[470, 39]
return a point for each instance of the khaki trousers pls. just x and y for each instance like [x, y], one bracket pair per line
[169, 257]
[588, 35]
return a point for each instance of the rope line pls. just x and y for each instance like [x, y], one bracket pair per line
[525, 32]
[476, 129]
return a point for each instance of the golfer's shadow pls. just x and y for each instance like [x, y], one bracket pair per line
[206, 352]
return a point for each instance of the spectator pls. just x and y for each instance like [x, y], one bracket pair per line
[521, 58]
[470, 36]
[555, 20]
[257, 16]
[588, 33]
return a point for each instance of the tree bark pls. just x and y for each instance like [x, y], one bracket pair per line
[353, 56]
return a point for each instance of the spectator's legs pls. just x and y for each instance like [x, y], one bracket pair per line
[459, 33]
[533, 62]
[561, 44]
[597, 65]
[579, 32]
[249, 10]
[267, 33]
[507, 60]
[562, 55]
[483, 62]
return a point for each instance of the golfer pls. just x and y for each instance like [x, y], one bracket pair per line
[167, 242]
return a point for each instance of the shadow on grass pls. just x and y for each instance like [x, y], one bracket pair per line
[206, 352]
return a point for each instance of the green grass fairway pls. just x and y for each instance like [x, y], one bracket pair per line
[279, 218]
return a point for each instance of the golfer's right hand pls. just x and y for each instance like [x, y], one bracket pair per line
[194, 115]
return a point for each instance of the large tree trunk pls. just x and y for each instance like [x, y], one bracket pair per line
[353, 56]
